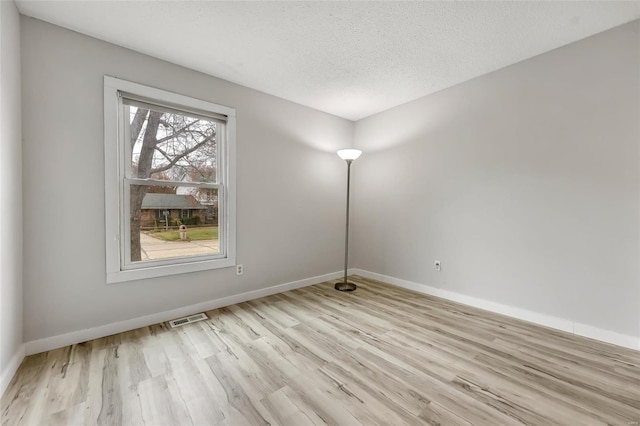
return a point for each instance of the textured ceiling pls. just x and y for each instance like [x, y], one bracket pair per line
[351, 59]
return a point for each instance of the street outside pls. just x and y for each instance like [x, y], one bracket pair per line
[154, 248]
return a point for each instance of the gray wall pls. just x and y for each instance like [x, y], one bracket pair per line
[10, 186]
[290, 186]
[523, 182]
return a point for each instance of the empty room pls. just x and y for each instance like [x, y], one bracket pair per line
[319, 213]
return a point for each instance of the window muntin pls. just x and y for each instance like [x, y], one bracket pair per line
[178, 146]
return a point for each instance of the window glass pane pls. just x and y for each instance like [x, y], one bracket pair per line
[172, 146]
[159, 212]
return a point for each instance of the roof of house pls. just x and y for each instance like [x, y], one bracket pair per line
[170, 201]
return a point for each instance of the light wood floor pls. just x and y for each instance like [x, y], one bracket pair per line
[381, 355]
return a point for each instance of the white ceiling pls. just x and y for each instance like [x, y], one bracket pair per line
[351, 59]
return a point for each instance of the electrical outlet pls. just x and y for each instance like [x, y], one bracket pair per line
[437, 265]
[239, 269]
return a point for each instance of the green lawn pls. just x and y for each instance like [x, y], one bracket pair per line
[193, 234]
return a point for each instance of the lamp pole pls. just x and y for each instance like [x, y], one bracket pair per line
[348, 155]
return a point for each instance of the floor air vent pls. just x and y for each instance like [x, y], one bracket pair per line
[187, 320]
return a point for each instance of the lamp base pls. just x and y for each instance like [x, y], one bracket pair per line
[345, 286]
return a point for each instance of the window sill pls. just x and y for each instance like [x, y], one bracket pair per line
[165, 270]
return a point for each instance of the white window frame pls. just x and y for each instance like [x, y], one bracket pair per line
[117, 220]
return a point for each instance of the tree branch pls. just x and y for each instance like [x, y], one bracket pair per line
[175, 133]
[181, 156]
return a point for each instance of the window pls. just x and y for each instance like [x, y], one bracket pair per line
[167, 157]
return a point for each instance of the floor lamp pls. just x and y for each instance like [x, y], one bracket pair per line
[347, 155]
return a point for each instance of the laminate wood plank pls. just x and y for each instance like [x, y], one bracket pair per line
[200, 341]
[365, 403]
[436, 415]
[561, 401]
[241, 406]
[318, 405]
[111, 405]
[441, 392]
[387, 392]
[72, 415]
[520, 393]
[266, 310]
[316, 356]
[626, 387]
[160, 403]
[93, 396]
[283, 409]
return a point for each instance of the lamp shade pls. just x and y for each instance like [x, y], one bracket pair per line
[349, 154]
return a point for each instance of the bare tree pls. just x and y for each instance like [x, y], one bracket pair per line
[166, 146]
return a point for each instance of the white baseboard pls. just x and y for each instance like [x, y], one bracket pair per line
[62, 340]
[562, 324]
[54, 342]
[10, 370]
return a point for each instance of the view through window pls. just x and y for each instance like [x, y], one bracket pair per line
[171, 183]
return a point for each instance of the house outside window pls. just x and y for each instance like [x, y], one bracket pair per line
[166, 153]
